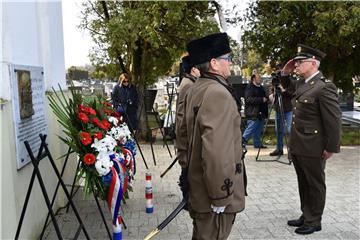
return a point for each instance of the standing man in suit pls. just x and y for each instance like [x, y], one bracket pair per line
[315, 135]
[212, 132]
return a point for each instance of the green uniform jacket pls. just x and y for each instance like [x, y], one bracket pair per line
[316, 122]
[215, 170]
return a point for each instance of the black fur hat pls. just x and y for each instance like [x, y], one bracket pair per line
[212, 46]
[186, 64]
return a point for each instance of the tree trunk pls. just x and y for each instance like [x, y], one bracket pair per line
[139, 80]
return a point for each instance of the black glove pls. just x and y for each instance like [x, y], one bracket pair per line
[183, 184]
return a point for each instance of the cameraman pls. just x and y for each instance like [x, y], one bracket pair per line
[282, 90]
[256, 110]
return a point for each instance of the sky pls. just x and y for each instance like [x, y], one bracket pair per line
[77, 42]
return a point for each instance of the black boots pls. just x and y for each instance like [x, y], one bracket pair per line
[277, 153]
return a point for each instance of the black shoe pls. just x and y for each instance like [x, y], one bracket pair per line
[307, 229]
[277, 153]
[261, 146]
[296, 222]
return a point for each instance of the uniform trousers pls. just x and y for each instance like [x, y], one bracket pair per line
[212, 226]
[312, 189]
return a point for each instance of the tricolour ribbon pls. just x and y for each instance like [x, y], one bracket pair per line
[118, 186]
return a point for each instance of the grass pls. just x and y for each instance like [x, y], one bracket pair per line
[350, 136]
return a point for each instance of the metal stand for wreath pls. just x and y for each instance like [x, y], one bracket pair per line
[72, 194]
[149, 98]
[43, 153]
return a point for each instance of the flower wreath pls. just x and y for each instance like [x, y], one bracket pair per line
[104, 145]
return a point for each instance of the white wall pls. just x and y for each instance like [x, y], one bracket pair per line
[32, 34]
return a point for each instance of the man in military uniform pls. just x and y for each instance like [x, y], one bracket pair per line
[212, 120]
[191, 73]
[315, 135]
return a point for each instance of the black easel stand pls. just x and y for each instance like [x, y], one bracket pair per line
[35, 161]
[156, 115]
[72, 195]
[278, 98]
[171, 92]
[134, 136]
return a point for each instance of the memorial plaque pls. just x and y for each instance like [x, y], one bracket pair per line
[28, 90]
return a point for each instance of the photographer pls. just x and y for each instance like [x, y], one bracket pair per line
[125, 101]
[282, 90]
[256, 110]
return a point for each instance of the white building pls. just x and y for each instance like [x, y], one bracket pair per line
[31, 36]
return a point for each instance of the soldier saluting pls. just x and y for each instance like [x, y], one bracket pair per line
[315, 135]
[213, 136]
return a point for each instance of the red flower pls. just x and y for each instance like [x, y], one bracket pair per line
[107, 104]
[85, 138]
[116, 114]
[89, 159]
[82, 108]
[106, 124]
[83, 117]
[96, 121]
[98, 135]
[91, 111]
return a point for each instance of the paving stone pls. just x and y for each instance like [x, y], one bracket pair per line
[273, 200]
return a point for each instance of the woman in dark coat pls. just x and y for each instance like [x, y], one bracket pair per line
[125, 100]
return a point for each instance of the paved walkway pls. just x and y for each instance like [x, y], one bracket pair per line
[273, 199]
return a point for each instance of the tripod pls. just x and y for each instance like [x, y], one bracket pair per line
[279, 102]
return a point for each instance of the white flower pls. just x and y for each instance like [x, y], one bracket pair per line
[113, 120]
[103, 164]
[104, 145]
[120, 133]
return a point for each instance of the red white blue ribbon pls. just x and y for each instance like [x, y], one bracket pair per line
[129, 159]
[118, 186]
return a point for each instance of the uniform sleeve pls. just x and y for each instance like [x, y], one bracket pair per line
[290, 90]
[218, 151]
[180, 128]
[330, 117]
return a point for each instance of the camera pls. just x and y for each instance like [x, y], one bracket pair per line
[278, 78]
[275, 80]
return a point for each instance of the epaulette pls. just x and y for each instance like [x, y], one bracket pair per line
[325, 80]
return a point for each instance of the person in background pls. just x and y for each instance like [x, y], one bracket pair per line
[256, 110]
[315, 135]
[284, 89]
[190, 75]
[125, 100]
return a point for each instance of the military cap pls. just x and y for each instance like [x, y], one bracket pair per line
[212, 46]
[304, 52]
[186, 64]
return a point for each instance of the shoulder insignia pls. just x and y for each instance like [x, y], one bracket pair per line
[325, 80]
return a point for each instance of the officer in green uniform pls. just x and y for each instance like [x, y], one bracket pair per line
[315, 135]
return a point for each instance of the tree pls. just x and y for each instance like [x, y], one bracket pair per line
[145, 38]
[275, 28]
